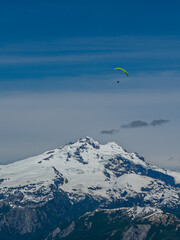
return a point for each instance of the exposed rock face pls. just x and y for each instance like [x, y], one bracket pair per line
[139, 232]
[34, 222]
[38, 193]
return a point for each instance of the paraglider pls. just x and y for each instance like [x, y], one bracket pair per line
[121, 70]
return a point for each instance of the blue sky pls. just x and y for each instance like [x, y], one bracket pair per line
[48, 42]
[63, 51]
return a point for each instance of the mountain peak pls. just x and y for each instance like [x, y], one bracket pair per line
[89, 141]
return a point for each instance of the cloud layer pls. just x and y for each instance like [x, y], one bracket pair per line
[33, 123]
[87, 63]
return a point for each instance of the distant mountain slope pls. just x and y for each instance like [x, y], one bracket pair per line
[139, 223]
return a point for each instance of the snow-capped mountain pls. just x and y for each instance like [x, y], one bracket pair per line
[85, 167]
[38, 193]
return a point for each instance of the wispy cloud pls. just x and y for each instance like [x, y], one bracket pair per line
[110, 132]
[139, 123]
[78, 50]
[96, 44]
[82, 57]
[159, 122]
[135, 124]
[171, 158]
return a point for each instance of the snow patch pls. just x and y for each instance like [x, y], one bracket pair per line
[133, 181]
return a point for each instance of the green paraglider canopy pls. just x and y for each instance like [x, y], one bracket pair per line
[122, 70]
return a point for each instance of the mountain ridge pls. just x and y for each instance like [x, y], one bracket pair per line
[140, 223]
